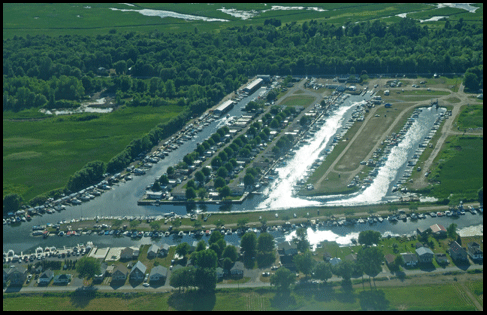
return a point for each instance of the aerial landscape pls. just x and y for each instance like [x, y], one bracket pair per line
[244, 156]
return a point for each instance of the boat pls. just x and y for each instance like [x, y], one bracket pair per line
[380, 219]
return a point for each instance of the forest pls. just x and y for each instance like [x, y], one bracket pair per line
[195, 70]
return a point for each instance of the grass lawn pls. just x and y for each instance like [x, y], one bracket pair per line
[471, 116]
[459, 168]
[439, 297]
[298, 100]
[57, 147]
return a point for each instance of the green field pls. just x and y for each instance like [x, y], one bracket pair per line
[441, 297]
[459, 168]
[298, 100]
[57, 147]
[97, 18]
[472, 116]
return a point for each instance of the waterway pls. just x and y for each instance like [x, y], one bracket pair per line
[122, 199]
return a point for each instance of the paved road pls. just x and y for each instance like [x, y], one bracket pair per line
[253, 284]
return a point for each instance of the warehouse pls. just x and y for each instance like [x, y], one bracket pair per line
[253, 85]
[223, 108]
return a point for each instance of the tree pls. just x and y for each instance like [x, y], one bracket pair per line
[344, 269]
[88, 267]
[170, 170]
[322, 271]
[227, 263]
[225, 191]
[164, 180]
[200, 246]
[183, 277]
[265, 243]
[202, 193]
[190, 193]
[219, 182]
[283, 279]
[156, 186]
[230, 252]
[182, 249]
[214, 237]
[249, 180]
[200, 177]
[222, 172]
[190, 184]
[242, 222]
[451, 231]
[304, 262]
[205, 279]
[370, 258]
[11, 203]
[205, 259]
[248, 243]
[471, 81]
[303, 121]
[369, 237]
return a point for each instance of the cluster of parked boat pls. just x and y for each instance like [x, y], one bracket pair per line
[47, 252]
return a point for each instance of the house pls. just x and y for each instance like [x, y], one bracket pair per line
[419, 245]
[335, 261]
[158, 274]
[457, 252]
[237, 269]
[103, 270]
[441, 259]
[62, 279]
[287, 248]
[127, 253]
[120, 273]
[219, 273]
[5, 276]
[164, 250]
[425, 255]
[409, 259]
[327, 256]
[152, 252]
[17, 275]
[176, 267]
[389, 259]
[438, 229]
[474, 251]
[45, 277]
[138, 271]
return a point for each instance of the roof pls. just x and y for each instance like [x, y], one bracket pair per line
[436, 228]
[165, 246]
[154, 248]
[18, 269]
[254, 83]
[238, 266]
[62, 276]
[473, 245]
[351, 257]
[127, 251]
[409, 257]
[47, 274]
[121, 268]
[335, 261]
[224, 105]
[423, 251]
[390, 258]
[139, 266]
[176, 267]
[287, 245]
[456, 248]
[159, 270]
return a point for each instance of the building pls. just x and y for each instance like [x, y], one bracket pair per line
[46, 277]
[351, 258]
[120, 273]
[425, 255]
[155, 195]
[473, 250]
[224, 107]
[164, 250]
[287, 248]
[138, 272]
[152, 252]
[457, 252]
[219, 273]
[438, 229]
[441, 259]
[17, 275]
[409, 259]
[103, 271]
[127, 253]
[335, 261]
[237, 269]
[252, 86]
[62, 279]
[389, 259]
[158, 274]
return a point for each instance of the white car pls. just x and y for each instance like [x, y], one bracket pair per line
[146, 284]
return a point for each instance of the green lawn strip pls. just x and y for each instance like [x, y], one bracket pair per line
[298, 100]
[471, 116]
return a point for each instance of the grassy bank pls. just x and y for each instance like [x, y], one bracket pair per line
[443, 297]
[57, 147]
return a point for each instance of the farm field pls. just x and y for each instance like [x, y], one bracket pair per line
[57, 147]
[443, 297]
[98, 18]
[459, 168]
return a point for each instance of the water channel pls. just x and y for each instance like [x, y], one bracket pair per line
[122, 199]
